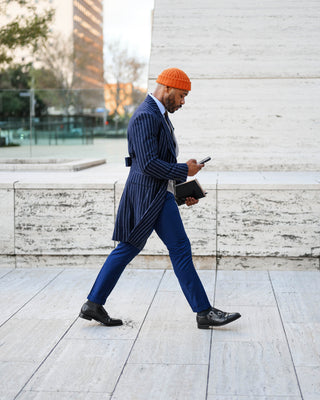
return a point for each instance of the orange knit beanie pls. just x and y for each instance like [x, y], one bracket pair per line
[175, 78]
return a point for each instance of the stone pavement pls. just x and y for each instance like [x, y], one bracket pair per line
[48, 353]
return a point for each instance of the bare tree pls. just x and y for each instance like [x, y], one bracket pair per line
[61, 58]
[57, 56]
[123, 70]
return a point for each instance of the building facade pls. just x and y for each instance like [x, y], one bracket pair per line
[78, 22]
[88, 42]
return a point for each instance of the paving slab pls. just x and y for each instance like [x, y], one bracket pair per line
[14, 375]
[310, 382]
[33, 395]
[270, 353]
[30, 340]
[162, 381]
[252, 368]
[249, 397]
[18, 287]
[165, 342]
[304, 343]
[257, 323]
[4, 271]
[130, 300]
[80, 365]
[62, 298]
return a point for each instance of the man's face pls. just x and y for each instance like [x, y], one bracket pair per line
[174, 99]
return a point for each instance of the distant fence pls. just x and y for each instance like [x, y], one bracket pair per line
[54, 117]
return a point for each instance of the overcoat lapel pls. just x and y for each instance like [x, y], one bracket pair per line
[170, 140]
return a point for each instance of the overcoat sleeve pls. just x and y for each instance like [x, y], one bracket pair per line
[144, 133]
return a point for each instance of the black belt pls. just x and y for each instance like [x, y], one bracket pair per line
[128, 160]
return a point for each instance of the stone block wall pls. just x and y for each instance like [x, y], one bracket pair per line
[63, 221]
[237, 225]
[255, 69]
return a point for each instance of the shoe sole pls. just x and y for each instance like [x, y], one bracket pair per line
[208, 326]
[87, 317]
[84, 316]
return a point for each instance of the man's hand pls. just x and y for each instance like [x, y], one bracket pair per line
[193, 167]
[190, 201]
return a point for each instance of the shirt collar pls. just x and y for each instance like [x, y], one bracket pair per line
[159, 104]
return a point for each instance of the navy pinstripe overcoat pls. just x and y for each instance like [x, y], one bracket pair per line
[152, 148]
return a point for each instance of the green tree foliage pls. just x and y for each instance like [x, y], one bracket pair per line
[16, 77]
[28, 28]
[13, 80]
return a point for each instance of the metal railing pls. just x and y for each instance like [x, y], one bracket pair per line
[55, 117]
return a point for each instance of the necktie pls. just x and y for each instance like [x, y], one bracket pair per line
[168, 121]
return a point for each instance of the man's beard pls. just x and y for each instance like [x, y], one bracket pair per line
[170, 104]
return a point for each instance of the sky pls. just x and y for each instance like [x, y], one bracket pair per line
[129, 21]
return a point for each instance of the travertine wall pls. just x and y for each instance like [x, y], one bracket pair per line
[255, 69]
[264, 221]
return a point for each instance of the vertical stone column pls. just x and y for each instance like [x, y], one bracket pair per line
[255, 70]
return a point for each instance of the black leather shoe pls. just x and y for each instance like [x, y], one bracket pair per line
[95, 311]
[216, 317]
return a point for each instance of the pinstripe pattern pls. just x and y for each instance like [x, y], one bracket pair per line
[151, 141]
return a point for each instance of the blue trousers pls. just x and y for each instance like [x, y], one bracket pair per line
[169, 228]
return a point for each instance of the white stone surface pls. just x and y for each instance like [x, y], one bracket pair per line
[67, 395]
[296, 307]
[269, 263]
[280, 180]
[269, 222]
[60, 261]
[255, 80]
[20, 338]
[170, 282]
[14, 375]
[249, 397]
[79, 365]
[63, 221]
[162, 381]
[7, 221]
[295, 281]
[67, 220]
[129, 300]
[46, 353]
[252, 368]
[62, 298]
[163, 261]
[246, 125]
[18, 287]
[236, 351]
[231, 39]
[164, 342]
[310, 383]
[4, 271]
[245, 293]
[303, 340]
[200, 223]
[32, 164]
[7, 261]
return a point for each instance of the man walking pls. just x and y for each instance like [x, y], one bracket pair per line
[148, 204]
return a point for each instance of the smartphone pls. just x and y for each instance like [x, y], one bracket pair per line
[205, 160]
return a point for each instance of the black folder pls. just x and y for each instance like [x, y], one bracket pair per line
[188, 189]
